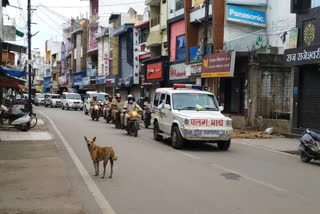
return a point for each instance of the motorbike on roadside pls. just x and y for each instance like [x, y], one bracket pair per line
[20, 121]
[147, 119]
[134, 123]
[309, 147]
[95, 112]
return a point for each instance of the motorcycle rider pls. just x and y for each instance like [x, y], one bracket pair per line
[107, 105]
[147, 106]
[93, 102]
[129, 107]
[116, 106]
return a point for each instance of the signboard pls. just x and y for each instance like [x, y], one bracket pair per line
[47, 82]
[136, 65]
[292, 40]
[197, 2]
[9, 33]
[55, 85]
[301, 56]
[218, 65]
[246, 16]
[154, 71]
[249, 2]
[194, 69]
[178, 72]
[86, 81]
[62, 80]
[77, 78]
[110, 81]
[145, 56]
[106, 64]
[100, 79]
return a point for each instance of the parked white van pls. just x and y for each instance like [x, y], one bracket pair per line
[71, 100]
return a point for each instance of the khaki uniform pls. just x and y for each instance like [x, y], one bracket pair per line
[92, 104]
[130, 108]
[147, 106]
[116, 106]
[107, 107]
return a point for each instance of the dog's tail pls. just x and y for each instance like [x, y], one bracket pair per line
[113, 156]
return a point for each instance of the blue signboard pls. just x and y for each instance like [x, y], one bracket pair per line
[249, 2]
[91, 72]
[47, 82]
[246, 16]
[77, 78]
[193, 57]
[100, 79]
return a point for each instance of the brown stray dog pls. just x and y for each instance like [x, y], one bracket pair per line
[101, 154]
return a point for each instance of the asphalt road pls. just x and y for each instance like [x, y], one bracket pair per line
[152, 177]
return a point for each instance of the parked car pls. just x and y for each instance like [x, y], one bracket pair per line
[184, 114]
[89, 96]
[71, 100]
[53, 100]
[39, 100]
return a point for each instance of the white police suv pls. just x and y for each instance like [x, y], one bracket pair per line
[188, 113]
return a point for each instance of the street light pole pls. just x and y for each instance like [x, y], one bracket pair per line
[29, 56]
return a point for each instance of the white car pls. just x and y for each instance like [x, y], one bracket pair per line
[52, 100]
[71, 100]
[184, 114]
[101, 96]
[39, 99]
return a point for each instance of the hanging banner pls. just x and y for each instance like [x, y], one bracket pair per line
[218, 65]
[86, 81]
[136, 50]
[106, 64]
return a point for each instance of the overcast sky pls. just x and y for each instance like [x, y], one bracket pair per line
[50, 20]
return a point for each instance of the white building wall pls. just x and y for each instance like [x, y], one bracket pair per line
[1, 21]
[172, 12]
[103, 49]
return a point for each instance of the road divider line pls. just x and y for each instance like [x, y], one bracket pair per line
[266, 149]
[191, 156]
[96, 193]
[271, 186]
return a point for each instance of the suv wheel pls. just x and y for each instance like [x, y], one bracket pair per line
[67, 106]
[62, 107]
[177, 140]
[156, 131]
[85, 111]
[224, 145]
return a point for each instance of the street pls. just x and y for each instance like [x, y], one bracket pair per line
[152, 177]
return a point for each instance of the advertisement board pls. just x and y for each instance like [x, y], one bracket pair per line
[249, 2]
[154, 71]
[178, 72]
[100, 79]
[246, 16]
[218, 65]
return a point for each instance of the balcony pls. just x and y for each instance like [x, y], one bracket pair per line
[198, 15]
[155, 21]
[152, 2]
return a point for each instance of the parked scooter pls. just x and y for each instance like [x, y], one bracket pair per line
[134, 123]
[147, 119]
[95, 112]
[309, 146]
[19, 121]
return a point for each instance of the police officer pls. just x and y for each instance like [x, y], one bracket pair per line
[116, 106]
[129, 107]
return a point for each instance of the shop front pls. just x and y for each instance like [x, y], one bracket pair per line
[77, 80]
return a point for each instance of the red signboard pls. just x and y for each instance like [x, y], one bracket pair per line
[154, 71]
[218, 65]
[145, 56]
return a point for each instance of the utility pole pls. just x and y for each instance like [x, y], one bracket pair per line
[205, 33]
[29, 56]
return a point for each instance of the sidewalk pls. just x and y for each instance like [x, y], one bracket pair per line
[33, 177]
[278, 144]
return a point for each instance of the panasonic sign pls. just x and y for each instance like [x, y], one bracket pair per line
[246, 16]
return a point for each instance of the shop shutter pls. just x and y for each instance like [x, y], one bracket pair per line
[309, 105]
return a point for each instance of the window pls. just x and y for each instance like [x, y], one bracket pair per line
[194, 101]
[179, 4]
[156, 99]
[168, 101]
[155, 21]
[144, 35]
[163, 98]
[315, 3]
[181, 48]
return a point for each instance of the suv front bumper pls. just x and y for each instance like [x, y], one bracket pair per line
[207, 134]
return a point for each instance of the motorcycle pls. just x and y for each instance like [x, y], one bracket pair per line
[117, 122]
[101, 108]
[108, 116]
[134, 123]
[95, 112]
[19, 121]
[309, 146]
[147, 119]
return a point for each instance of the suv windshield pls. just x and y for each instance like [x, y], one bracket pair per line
[194, 101]
[40, 96]
[55, 97]
[74, 96]
[100, 97]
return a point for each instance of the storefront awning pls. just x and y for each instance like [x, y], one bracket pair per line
[13, 73]
[11, 82]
